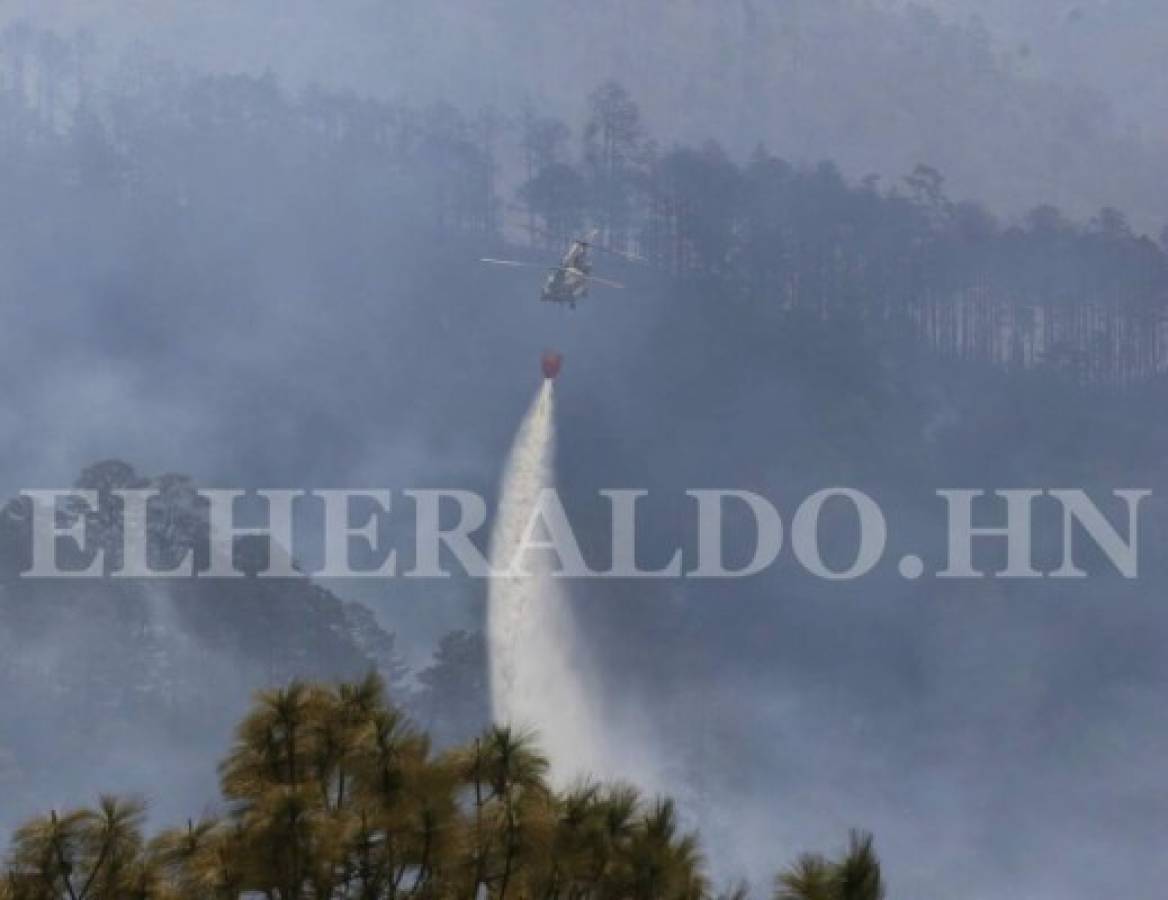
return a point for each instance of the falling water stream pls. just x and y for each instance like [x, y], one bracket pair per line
[539, 678]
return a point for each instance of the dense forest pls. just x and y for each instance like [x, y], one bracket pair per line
[774, 238]
[258, 283]
[1051, 101]
[333, 794]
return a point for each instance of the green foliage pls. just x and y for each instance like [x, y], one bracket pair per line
[855, 876]
[332, 793]
[453, 699]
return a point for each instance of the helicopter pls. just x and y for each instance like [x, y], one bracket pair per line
[569, 281]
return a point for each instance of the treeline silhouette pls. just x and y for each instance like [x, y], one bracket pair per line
[151, 146]
[1088, 300]
[332, 793]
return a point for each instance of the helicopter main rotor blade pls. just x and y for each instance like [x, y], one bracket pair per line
[513, 263]
[606, 282]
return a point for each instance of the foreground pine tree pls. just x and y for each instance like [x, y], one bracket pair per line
[333, 795]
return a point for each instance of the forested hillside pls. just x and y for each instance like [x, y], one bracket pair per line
[259, 284]
[877, 85]
[150, 675]
[147, 677]
[1038, 290]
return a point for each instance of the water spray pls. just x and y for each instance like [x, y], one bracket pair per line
[539, 678]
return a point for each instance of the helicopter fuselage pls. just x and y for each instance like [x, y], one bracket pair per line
[568, 282]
